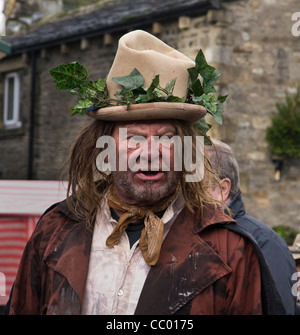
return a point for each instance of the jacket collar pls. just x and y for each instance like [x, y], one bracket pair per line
[187, 264]
[210, 216]
[63, 208]
[236, 206]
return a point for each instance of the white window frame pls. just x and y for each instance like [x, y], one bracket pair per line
[15, 121]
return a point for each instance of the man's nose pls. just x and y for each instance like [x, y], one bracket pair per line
[149, 155]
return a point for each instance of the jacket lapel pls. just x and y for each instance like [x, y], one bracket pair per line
[68, 254]
[187, 265]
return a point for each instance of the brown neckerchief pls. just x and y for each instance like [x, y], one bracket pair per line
[152, 234]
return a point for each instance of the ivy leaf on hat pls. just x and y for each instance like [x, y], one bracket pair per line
[73, 77]
[131, 82]
[69, 77]
[200, 93]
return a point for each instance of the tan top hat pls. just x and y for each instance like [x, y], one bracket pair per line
[150, 56]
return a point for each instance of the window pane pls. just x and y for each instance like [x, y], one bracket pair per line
[10, 106]
[11, 110]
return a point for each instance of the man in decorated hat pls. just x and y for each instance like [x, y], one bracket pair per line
[140, 232]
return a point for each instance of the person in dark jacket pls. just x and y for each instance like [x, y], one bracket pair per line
[275, 250]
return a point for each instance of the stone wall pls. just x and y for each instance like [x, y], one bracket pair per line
[249, 42]
[261, 63]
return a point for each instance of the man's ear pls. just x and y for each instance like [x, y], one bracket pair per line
[225, 188]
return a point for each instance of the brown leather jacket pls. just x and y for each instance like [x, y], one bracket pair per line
[203, 268]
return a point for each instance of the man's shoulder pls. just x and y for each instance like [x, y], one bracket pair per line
[252, 224]
[53, 218]
[260, 231]
[53, 227]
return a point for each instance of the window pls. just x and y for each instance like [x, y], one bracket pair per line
[11, 115]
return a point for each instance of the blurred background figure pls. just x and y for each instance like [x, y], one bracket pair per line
[275, 250]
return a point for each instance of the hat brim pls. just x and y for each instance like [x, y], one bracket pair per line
[296, 254]
[150, 111]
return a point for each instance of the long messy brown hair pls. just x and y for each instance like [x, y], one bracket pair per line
[87, 185]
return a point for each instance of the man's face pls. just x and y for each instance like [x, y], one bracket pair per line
[141, 183]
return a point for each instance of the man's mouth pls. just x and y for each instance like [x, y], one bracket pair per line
[150, 175]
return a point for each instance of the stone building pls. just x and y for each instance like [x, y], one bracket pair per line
[249, 41]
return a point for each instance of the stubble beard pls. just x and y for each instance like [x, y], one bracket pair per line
[149, 191]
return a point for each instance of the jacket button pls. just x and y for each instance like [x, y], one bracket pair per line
[120, 292]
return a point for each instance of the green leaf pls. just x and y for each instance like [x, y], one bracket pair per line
[194, 74]
[126, 97]
[131, 82]
[100, 84]
[172, 98]
[170, 87]
[69, 76]
[151, 89]
[142, 98]
[158, 93]
[74, 92]
[197, 88]
[202, 125]
[198, 100]
[209, 98]
[208, 84]
[195, 84]
[202, 67]
[222, 98]
[200, 93]
[155, 81]
[90, 92]
[81, 107]
[218, 114]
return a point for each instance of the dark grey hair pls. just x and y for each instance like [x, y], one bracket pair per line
[225, 164]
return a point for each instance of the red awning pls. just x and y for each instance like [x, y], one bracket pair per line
[29, 197]
[22, 202]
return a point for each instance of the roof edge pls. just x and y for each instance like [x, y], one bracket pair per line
[135, 22]
[5, 47]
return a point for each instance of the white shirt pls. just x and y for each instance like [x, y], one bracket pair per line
[117, 274]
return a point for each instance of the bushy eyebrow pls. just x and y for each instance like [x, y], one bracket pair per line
[162, 132]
